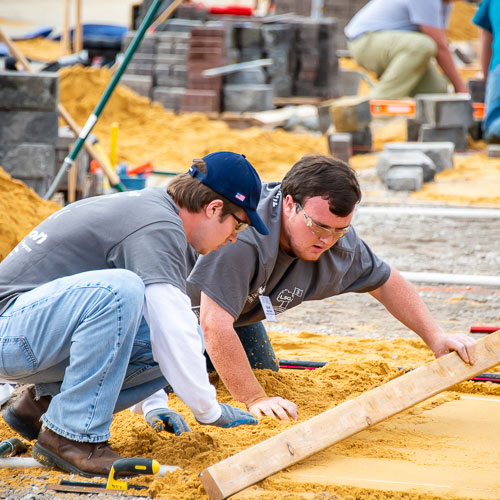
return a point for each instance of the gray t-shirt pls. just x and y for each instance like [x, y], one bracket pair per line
[238, 273]
[139, 230]
[406, 15]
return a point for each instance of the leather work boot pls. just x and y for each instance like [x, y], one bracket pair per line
[86, 459]
[24, 414]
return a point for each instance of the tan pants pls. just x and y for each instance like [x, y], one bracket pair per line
[403, 62]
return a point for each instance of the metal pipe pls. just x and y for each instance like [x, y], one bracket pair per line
[452, 279]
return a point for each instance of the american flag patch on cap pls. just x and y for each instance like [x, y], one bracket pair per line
[240, 196]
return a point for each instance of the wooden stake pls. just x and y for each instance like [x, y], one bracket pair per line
[15, 51]
[303, 440]
[65, 36]
[78, 35]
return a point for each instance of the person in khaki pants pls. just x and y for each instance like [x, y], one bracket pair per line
[400, 41]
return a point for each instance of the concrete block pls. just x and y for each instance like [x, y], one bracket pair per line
[29, 91]
[31, 163]
[405, 178]
[350, 114]
[282, 85]
[29, 126]
[476, 130]
[389, 159]
[477, 89]
[139, 69]
[412, 129]
[493, 150]
[340, 146]
[441, 153]
[362, 141]
[170, 97]
[277, 35]
[179, 25]
[242, 98]
[444, 110]
[170, 59]
[138, 83]
[247, 76]
[173, 37]
[457, 135]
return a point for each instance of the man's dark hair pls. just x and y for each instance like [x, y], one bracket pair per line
[330, 178]
[189, 193]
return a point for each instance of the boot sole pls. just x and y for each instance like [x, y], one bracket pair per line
[51, 460]
[13, 420]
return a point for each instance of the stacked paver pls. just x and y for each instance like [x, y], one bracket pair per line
[168, 65]
[170, 72]
[341, 10]
[139, 73]
[207, 49]
[29, 126]
[444, 117]
[405, 166]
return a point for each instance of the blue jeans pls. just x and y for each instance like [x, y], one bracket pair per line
[258, 348]
[491, 125]
[83, 340]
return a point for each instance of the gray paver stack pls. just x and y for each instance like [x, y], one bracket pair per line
[29, 126]
[341, 10]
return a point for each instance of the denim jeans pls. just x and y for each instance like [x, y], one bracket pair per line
[258, 348]
[491, 125]
[83, 340]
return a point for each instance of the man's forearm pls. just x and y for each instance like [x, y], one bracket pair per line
[401, 299]
[486, 51]
[231, 362]
[445, 60]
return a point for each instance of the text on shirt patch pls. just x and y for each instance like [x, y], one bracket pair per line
[285, 298]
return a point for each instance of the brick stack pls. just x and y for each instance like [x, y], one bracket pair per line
[28, 126]
[170, 73]
[139, 73]
[207, 49]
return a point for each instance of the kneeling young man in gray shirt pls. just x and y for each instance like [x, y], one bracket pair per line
[312, 252]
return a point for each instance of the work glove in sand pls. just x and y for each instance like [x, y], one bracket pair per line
[164, 419]
[232, 417]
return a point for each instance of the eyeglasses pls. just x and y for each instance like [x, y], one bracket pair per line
[241, 224]
[320, 231]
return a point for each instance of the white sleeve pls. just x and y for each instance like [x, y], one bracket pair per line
[177, 348]
[155, 401]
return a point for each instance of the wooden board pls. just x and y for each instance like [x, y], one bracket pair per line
[303, 440]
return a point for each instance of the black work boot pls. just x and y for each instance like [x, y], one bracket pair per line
[86, 459]
[24, 414]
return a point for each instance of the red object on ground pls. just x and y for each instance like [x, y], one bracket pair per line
[145, 169]
[484, 329]
[232, 10]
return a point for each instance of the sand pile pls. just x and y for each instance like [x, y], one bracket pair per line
[461, 26]
[170, 141]
[355, 366]
[21, 209]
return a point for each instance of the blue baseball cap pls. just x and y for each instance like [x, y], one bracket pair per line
[233, 176]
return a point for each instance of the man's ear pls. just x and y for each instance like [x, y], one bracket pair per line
[288, 204]
[213, 207]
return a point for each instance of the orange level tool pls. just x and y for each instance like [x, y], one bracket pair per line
[406, 107]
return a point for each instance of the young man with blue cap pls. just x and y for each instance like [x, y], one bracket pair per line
[312, 252]
[94, 311]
